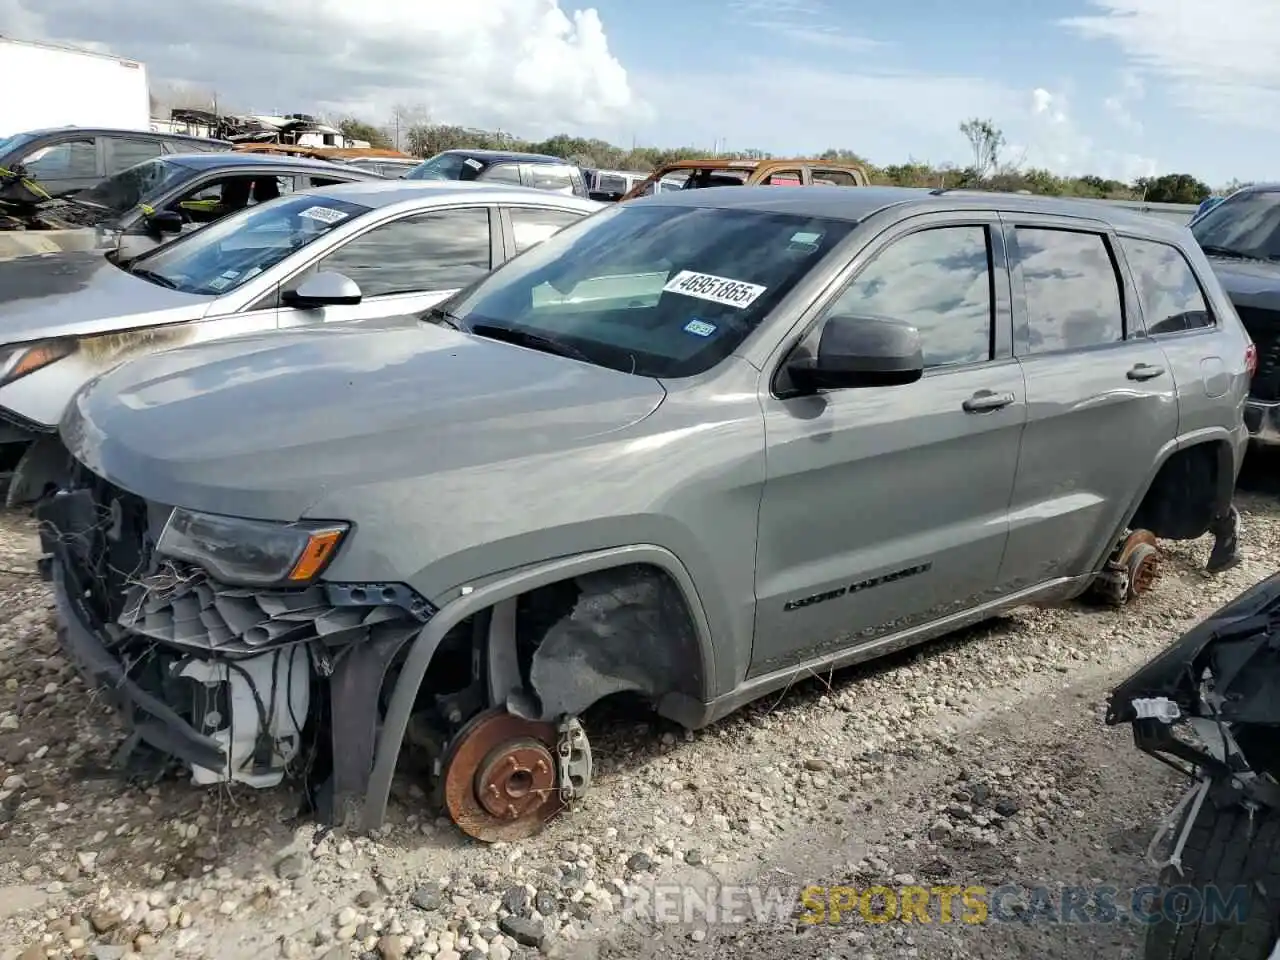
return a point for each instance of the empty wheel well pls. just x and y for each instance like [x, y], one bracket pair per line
[1190, 489]
[623, 629]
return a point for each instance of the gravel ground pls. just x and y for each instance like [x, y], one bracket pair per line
[977, 760]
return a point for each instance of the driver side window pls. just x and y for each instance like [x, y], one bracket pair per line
[939, 281]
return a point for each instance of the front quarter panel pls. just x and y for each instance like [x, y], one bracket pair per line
[687, 479]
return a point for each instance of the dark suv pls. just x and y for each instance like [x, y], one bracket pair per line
[1241, 237]
[535, 170]
[65, 160]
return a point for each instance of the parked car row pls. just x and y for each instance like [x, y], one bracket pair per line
[453, 461]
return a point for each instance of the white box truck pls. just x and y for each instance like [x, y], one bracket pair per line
[63, 86]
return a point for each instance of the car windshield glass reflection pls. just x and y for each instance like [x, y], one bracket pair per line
[1244, 225]
[446, 166]
[231, 252]
[651, 290]
[130, 187]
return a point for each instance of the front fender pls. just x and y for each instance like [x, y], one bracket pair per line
[478, 598]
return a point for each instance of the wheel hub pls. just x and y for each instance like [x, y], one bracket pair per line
[499, 777]
[515, 778]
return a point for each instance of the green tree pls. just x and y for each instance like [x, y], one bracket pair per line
[986, 140]
[1172, 188]
[360, 130]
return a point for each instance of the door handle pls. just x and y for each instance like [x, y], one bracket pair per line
[1144, 371]
[984, 401]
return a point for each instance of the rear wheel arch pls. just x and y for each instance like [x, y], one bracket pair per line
[1192, 485]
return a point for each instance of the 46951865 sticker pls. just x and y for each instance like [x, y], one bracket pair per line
[706, 286]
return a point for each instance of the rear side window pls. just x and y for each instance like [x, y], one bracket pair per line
[503, 173]
[1072, 290]
[546, 176]
[531, 226]
[123, 154]
[1172, 300]
[835, 178]
[68, 160]
[937, 280]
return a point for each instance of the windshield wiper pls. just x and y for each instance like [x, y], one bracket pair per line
[1230, 252]
[158, 279]
[527, 338]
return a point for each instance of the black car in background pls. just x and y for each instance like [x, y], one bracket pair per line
[65, 160]
[535, 170]
[1241, 238]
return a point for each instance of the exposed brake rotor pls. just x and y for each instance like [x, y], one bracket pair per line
[1140, 557]
[499, 777]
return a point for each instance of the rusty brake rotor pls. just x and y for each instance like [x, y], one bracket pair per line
[1140, 557]
[499, 777]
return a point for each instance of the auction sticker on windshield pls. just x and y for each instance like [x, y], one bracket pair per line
[706, 286]
[323, 214]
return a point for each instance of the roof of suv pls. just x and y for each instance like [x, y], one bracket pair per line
[858, 203]
[231, 160]
[500, 156]
[122, 132]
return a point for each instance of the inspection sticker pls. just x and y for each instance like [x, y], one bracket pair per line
[705, 286]
[700, 328]
[323, 214]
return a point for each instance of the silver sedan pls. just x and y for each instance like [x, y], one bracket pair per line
[350, 252]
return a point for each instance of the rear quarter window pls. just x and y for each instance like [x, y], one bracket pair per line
[1171, 296]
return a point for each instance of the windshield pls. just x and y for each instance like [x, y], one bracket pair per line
[132, 186]
[13, 142]
[446, 166]
[1245, 225]
[651, 290]
[219, 258]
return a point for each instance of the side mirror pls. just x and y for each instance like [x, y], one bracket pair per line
[164, 221]
[860, 352]
[323, 289]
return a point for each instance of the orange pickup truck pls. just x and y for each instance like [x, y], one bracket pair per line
[776, 173]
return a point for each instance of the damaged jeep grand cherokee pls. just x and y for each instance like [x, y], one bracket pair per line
[690, 448]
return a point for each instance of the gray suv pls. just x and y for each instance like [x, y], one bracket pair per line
[691, 447]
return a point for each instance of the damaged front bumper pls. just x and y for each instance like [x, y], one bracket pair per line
[237, 683]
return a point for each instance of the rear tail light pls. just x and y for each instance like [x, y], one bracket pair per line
[1251, 359]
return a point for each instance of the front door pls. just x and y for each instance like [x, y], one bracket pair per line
[1100, 397]
[885, 507]
[406, 265]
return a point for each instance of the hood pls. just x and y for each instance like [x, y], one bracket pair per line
[1249, 283]
[262, 426]
[78, 293]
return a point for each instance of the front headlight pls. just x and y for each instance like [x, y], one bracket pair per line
[251, 552]
[18, 361]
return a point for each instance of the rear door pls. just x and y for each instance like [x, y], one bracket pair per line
[1100, 398]
[405, 265]
[1176, 315]
[887, 507]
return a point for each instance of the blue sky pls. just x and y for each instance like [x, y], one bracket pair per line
[1119, 88]
[892, 81]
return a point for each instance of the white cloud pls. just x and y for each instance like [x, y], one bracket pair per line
[1220, 55]
[806, 22]
[794, 108]
[1055, 141]
[530, 64]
